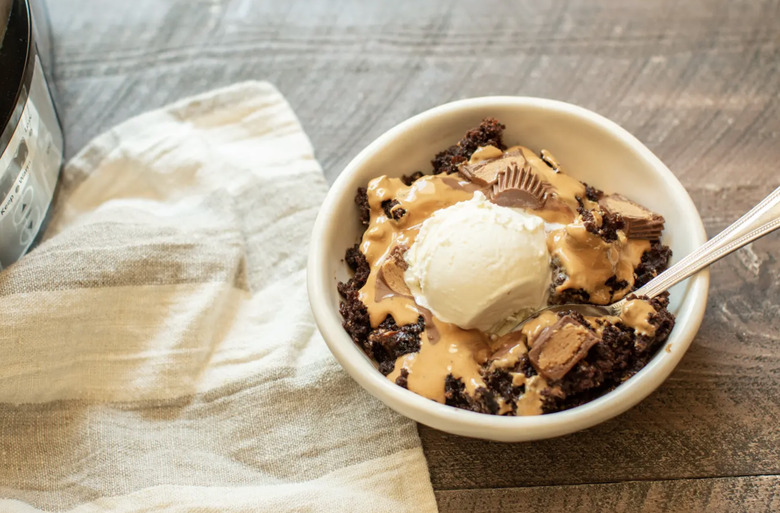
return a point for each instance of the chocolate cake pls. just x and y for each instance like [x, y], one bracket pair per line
[556, 361]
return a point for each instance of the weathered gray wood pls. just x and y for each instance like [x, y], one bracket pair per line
[713, 495]
[697, 81]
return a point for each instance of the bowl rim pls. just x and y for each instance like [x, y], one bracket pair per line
[462, 422]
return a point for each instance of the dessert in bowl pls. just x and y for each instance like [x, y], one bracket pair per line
[444, 279]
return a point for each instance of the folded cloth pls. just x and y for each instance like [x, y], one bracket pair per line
[157, 352]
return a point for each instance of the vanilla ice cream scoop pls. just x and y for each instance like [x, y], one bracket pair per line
[476, 264]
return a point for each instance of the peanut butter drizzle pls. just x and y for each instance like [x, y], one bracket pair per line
[512, 347]
[589, 261]
[530, 403]
[485, 153]
[636, 314]
[420, 200]
[444, 348]
[535, 327]
[458, 352]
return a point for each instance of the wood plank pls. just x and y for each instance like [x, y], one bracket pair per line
[696, 81]
[714, 495]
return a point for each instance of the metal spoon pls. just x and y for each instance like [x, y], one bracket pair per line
[760, 220]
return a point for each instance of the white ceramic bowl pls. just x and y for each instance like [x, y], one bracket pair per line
[590, 148]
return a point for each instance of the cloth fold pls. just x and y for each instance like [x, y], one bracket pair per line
[158, 353]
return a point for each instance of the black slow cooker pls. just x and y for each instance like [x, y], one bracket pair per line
[30, 135]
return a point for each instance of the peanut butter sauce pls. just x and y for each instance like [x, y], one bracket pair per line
[420, 200]
[532, 329]
[530, 403]
[485, 153]
[458, 352]
[636, 314]
[444, 348]
[587, 259]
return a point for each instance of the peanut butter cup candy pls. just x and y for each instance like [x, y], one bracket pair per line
[519, 187]
[640, 223]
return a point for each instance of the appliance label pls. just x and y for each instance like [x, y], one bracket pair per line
[29, 167]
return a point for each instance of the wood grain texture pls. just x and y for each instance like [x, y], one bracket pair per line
[696, 81]
[713, 495]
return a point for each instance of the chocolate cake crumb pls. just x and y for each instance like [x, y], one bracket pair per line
[592, 193]
[410, 179]
[489, 401]
[610, 224]
[653, 262]
[355, 314]
[359, 265]
[607, 228]
[393, 210]
[403, 379]
[499, 381]
[570, 296]
[615, 285]
[488, 133]
[524, 365]
[389, 341]
[662, 321]
[455, 395]
[364, 210]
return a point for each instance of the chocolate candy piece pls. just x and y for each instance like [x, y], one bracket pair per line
[390, 277]
[640, 223]
[519, 187]
[485, 173]
[559, 347]
[511, 348]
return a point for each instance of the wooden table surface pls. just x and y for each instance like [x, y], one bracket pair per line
[696, 81]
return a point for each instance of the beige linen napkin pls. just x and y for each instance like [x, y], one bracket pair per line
[157, 352]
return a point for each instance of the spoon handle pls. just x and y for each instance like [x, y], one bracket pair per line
[760, 220]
